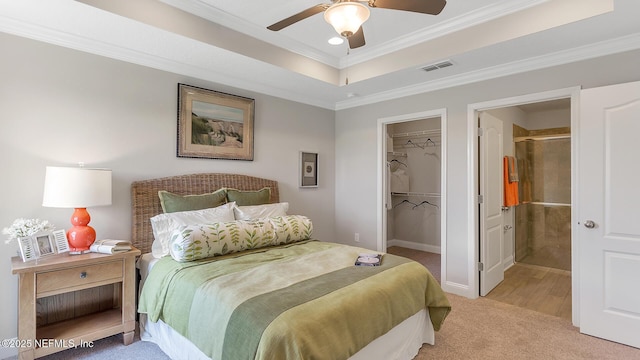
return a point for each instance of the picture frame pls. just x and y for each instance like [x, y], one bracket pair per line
[42, 244]
[28, 250]
[60, 240]
[214, 125]
[308, 171]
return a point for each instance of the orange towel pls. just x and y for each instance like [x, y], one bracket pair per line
[510, 188]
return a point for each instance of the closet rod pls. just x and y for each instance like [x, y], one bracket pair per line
[424, 145]
[396, 153]
[416, 194]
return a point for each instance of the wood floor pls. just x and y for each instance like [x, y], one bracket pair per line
[533, 287]
[537, 288]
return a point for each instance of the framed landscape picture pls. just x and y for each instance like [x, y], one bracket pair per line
[214, 125]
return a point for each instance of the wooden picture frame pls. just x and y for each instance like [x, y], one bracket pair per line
[308, 169]
[214, 125]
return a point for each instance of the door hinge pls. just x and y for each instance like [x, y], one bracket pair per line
[480, 199]
[480, 267]
[480, 131]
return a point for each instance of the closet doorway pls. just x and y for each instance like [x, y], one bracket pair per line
[413, 177]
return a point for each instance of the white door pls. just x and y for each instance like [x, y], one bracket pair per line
[491, 191]
[608, 216]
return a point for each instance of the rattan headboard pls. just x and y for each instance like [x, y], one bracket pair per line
[145, 202]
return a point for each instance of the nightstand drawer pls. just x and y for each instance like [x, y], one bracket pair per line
[76, 278]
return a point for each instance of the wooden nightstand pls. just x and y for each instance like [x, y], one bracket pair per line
[74, 299]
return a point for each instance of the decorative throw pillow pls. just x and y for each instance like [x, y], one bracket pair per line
[195, 242]
[260, 211]
[248, 198]
[164, 224]
[173, 202]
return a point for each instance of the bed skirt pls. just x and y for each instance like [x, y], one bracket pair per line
[401, 343]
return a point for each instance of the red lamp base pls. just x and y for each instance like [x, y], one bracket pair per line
[80, 236]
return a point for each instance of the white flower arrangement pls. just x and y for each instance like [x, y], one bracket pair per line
[26, 227]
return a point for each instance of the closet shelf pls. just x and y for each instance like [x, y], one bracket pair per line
[417, 133]
[415, 194]
[542, 137]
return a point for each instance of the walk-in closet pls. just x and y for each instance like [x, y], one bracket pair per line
[414, 161]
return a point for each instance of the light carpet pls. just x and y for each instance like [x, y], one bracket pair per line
[487, 329]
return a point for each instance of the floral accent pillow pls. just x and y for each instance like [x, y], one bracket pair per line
[194, 242]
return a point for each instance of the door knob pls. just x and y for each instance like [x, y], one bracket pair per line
[589, 224]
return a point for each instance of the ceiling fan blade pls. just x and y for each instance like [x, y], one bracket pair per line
[297, 17]
[432, 7]
[356, 40]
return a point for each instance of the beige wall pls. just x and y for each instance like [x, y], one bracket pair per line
[356, 207]
[60, 106]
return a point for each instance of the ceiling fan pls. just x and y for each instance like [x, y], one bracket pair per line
[347, 16]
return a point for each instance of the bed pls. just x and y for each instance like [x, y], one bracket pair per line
[310, 301]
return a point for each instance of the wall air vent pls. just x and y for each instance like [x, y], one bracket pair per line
[437, 66]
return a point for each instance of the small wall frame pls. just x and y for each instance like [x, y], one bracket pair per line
[308, 172]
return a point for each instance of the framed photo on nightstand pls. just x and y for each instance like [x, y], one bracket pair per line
[42, 244]
[28, 250]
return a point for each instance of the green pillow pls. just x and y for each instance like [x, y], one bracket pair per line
[173, 202]
[248, 198]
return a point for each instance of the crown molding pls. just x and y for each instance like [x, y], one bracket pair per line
[482, 15]
[34, 29]
[453, 25]
[603, 48]
[95, 46]
[241, 25]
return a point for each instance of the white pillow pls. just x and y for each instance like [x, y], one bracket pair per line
[164, 224]
[260, 211]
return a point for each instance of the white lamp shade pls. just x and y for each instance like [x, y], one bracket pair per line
[67, 187]
[346, 17]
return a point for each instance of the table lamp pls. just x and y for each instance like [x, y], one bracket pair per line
[79, 188]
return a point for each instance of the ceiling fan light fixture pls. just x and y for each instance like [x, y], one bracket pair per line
[346, 17]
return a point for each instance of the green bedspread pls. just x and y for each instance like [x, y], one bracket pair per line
[299, 301]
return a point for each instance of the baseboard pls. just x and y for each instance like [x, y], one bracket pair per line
[458, 289]
[508, 262]
[415, 246]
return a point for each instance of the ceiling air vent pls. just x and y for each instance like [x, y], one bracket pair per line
[437, 66]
